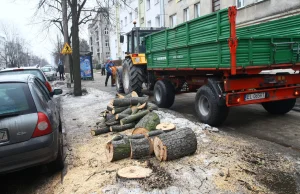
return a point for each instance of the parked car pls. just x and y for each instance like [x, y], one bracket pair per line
[50, 72]
[28, 70]
[30, 125]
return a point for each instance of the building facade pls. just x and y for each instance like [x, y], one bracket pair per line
[2, 47]
[99, 34]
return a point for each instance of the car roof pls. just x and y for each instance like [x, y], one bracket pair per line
[20, 78]
[14, 68]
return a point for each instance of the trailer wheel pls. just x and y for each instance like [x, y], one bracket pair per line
[279, 107]
[119, 80]
[207, 108]
[164, 94]
[133, 77]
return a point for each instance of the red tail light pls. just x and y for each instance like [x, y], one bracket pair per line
[234, 99]
[48, 86]
[135, 55]
[43, 126]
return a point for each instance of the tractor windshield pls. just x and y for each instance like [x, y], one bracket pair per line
[139, 46]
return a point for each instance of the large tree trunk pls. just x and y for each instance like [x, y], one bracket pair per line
[148, 122]
[129, 101]
[140, 148]
[134, 117]
[119, 128]
[117, 150]
[175, 144]
[75, 54]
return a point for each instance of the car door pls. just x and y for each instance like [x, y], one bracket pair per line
[51, 107]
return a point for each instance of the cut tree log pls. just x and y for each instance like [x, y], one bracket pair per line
[175, 144]
[166, 127]
[100, 131]
[132, 94]
[151, 106]
[116, 110]
[110, 107]
[109, 116]
[134, 117]
[119, 128]
[140, 148]
[148, 122]
[101, 121]
[140, 130]
[151, 135]
[134, 172]
[121, 116]
[136, 136]
[143, 106]
[103, 113]
[120, 96]
[117, 150]
[112, 121]
[134, 109]
[129, 101]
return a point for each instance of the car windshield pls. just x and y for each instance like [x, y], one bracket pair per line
[46, 69]
[35, 72]
[15, 99]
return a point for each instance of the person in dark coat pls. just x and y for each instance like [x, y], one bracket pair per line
[108, 66]
[103, 69]
[61, 71]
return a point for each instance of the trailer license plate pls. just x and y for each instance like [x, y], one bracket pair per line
[3, 135]
[255, 96]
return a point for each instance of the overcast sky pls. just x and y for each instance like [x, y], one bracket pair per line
[19, 13]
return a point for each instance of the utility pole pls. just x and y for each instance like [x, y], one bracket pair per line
[66, 34]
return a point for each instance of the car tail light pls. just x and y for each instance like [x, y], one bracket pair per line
[234, 99]
[48, 86]
[297, 92]
[43, 126]
[135, 55]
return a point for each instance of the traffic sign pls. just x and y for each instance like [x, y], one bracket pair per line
[67, 50]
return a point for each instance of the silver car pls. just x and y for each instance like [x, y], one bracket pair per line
[30, 125]
[50, 73]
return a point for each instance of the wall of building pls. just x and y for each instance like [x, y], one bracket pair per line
[153, 13]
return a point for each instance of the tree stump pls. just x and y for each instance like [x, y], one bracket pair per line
[117, 150]
[139, 148]
[134, 172]
[166, 127]
[148, 122]
[175, 144]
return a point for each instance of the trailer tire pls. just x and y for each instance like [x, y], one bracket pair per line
[279, 107]
[208, 109]
[119, 80]
[133, 77]
[164, 94]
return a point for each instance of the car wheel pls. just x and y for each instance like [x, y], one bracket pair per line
[58, 163]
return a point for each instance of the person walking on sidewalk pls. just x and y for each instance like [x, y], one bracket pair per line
[103, 69]
[108, 66]
[61, 71]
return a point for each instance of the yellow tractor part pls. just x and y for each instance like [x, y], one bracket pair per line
[138, 59]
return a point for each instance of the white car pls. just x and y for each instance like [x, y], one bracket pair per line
[50, 73]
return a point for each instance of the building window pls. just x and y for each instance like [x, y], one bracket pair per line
[130, 16]
[186, 15]
[149, 23]
[216, 5]
[125, 21]
[105, 30]
[240, 3]
[173, 20]
[142, 20]
[136, 13]
[197, 10]
[157, 21]
[148, 4]
[107, 54]
[106, 43]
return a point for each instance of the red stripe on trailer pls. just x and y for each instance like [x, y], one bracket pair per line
[232, 41]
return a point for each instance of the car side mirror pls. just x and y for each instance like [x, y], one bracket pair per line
[56, 92]
[121, 38]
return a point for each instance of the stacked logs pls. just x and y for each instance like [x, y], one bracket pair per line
[124, 112]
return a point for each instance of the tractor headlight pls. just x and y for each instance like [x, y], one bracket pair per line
[137, 60]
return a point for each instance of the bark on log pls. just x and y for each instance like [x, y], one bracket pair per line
[154, 133]
[120, 96]
[119, 128]
[140, 148]
[134, 110]
[109, 116]
[127, 111]
[166, 127]
[143, 106]
[134, 117]
[116, 110]
[136, 136]
[121, 116]
[140, 130]
[149, 122]
[132, 94]
[110, 107]
[112, 121]
[151, 106]
[100, 131]
[117, 150]
[175, 144]
[129, 101]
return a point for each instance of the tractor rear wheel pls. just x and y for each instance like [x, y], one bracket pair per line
[133, 77]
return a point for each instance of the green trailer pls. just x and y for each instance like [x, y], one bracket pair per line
[223, 64]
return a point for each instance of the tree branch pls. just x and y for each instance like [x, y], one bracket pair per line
[79, 9]
[84, 22]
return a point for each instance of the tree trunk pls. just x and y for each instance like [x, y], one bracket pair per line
[134, 117]
[117, 150]
[119, 128]
[66, 33]
[118, 109]
[129, 101]
[149, 122]
[175, 144]
[140, 148]
[100, 131]
[121, 116]
[75, 54]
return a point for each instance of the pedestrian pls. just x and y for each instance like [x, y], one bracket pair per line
[103, 69]
[61, 71]
[108, 66]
